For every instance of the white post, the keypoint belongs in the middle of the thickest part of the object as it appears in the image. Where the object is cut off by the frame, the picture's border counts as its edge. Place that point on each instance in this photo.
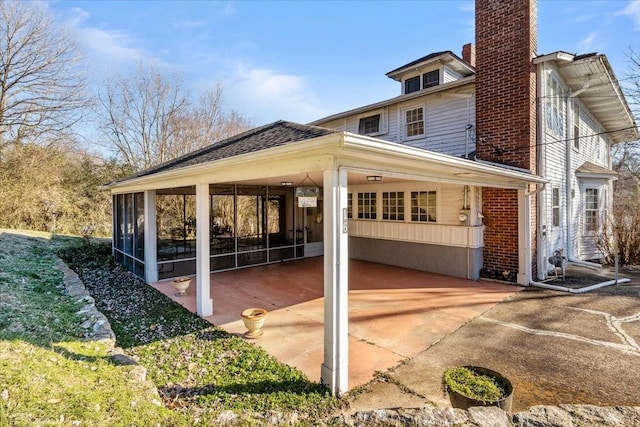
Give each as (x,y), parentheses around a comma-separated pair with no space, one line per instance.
(150,237)
(335,369)
(524,238)
(204,303)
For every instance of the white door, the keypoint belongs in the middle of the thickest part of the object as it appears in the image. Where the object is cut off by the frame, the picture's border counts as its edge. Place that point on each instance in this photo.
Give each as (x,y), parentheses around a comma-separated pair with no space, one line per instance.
(313,231)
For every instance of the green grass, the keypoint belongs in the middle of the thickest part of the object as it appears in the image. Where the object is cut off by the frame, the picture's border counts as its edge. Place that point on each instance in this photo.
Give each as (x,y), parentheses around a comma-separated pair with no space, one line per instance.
(200,370)
(48,374)
(51,376)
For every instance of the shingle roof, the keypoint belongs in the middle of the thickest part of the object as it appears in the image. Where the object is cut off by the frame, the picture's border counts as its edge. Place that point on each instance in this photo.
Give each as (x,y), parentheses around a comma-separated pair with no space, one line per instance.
(268,136)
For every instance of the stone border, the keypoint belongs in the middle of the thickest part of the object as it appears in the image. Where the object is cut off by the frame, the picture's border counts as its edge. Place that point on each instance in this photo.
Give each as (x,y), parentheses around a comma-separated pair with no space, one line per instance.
(538,416)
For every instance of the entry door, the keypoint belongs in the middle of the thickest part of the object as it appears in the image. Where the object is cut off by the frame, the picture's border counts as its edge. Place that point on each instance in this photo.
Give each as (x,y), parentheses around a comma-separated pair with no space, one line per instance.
(313,226)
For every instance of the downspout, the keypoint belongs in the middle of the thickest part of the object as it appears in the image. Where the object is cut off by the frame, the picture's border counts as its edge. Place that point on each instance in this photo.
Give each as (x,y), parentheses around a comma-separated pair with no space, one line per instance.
(540,138)
(578,290)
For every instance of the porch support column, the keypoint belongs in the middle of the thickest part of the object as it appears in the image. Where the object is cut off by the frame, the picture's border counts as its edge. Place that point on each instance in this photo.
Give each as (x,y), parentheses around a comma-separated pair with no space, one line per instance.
(204,303)
(150,237)
(335,369)
(524,237)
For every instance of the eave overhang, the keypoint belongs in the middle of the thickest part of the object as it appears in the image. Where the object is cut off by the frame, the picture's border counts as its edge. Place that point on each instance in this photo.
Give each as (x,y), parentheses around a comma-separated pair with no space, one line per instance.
(591,80)
(339,150)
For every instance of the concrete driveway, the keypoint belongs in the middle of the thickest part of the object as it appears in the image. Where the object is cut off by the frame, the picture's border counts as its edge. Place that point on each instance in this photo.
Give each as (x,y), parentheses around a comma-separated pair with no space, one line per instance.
(555,347)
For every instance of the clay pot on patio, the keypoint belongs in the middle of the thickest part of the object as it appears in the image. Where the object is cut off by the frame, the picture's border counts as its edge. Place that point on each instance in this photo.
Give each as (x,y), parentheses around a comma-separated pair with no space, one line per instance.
(181,284)
(253,319)
(470,386)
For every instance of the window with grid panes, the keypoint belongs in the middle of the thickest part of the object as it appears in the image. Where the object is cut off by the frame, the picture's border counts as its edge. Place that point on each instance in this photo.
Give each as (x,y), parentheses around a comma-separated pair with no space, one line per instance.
(349,205)
(555,206)
(366,205)
(423,206)
(591,210)
(369,125)
(432,78)
(414,122)
(393,205)
(412,84)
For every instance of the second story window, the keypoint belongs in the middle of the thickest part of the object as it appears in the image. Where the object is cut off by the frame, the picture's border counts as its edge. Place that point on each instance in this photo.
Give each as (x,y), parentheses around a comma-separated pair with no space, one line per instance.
(412,84)
(430,79)
(369,125)
(554,107)
(414,122)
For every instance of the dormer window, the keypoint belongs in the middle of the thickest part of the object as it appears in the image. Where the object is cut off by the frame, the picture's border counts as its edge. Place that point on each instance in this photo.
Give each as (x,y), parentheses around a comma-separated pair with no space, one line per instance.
(412,84)
(430,79)
(426,80)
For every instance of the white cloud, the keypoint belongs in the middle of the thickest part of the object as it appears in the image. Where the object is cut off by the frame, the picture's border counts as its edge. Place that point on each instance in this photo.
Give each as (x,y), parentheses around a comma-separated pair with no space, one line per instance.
(271,96)
(107,45)
(587,43)
(189,24)
(633,11)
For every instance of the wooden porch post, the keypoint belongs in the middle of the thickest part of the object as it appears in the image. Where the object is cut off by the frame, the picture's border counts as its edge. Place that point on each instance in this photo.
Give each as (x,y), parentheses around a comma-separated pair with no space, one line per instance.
(204,303)
(150,237)
(335,369)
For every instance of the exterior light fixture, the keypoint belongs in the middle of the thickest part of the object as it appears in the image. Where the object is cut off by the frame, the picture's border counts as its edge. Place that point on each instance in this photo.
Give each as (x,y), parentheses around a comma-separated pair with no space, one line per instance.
(374,178)
(286,183)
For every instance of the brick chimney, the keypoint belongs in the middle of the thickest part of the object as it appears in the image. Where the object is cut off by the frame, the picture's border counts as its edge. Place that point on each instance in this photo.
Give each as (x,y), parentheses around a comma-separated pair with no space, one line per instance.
(469,53)
(506,43)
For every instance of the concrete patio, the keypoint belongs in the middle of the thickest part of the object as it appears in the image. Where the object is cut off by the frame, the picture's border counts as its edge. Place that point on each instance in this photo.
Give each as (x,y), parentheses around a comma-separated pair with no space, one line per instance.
(394,313)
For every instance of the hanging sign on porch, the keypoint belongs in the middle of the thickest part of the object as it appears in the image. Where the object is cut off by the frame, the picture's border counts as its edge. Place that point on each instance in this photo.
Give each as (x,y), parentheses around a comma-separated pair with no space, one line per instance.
(307,191)
(307,202)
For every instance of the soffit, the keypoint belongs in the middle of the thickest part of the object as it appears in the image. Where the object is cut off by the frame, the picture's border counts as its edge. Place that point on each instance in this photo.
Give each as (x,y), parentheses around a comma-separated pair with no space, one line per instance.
(601,94)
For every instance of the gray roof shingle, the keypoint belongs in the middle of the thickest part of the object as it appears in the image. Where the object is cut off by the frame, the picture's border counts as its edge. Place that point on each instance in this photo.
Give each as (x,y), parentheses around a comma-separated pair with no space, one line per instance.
(261,138)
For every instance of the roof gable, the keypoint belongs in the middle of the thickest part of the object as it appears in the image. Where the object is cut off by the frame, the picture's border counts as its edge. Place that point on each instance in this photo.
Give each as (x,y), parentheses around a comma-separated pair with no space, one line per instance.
(446,57)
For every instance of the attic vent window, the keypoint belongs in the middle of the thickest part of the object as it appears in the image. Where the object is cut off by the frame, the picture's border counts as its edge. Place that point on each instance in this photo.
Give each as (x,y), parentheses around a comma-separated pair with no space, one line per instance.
(430,79)
(412,84)
(369,125)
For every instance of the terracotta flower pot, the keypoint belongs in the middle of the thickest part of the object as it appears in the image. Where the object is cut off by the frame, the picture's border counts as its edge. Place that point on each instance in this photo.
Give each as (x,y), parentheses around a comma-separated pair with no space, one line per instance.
(181,284)
(253,319)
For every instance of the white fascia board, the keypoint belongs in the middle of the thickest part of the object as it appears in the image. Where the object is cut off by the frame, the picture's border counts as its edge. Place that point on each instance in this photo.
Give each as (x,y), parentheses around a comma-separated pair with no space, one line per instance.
(387,150)
(555,56)
(430,91)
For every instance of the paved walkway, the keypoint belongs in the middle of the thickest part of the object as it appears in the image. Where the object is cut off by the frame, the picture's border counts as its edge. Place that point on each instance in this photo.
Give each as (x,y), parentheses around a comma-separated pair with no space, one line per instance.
(394,313)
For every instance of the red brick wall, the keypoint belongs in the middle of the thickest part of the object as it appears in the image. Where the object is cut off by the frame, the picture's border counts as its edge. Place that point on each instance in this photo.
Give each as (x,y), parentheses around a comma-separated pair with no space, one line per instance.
(506,42)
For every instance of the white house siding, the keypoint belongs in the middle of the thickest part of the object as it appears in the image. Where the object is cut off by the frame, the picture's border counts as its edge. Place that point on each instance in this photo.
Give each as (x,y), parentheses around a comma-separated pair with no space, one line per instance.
(576,243)
(450,75)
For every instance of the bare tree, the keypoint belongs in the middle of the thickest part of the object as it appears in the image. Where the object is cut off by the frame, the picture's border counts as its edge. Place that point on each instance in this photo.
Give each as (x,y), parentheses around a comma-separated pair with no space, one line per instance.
(42,88)
(623,235)
(149,118)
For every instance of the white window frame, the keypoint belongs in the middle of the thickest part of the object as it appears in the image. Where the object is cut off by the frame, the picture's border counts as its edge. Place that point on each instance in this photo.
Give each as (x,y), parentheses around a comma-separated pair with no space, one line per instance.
(367,205)
(554,100)
(555,207)
(430,214)
(591,214)
(393,205)
(383,123)
(406,123)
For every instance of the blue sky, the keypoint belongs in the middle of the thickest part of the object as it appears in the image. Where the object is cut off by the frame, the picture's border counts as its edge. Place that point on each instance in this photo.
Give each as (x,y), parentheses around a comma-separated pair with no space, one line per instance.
(303,60)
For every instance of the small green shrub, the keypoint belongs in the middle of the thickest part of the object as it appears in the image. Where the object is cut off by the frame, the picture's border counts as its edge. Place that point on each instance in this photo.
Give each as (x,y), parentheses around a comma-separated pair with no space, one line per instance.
(474,385)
